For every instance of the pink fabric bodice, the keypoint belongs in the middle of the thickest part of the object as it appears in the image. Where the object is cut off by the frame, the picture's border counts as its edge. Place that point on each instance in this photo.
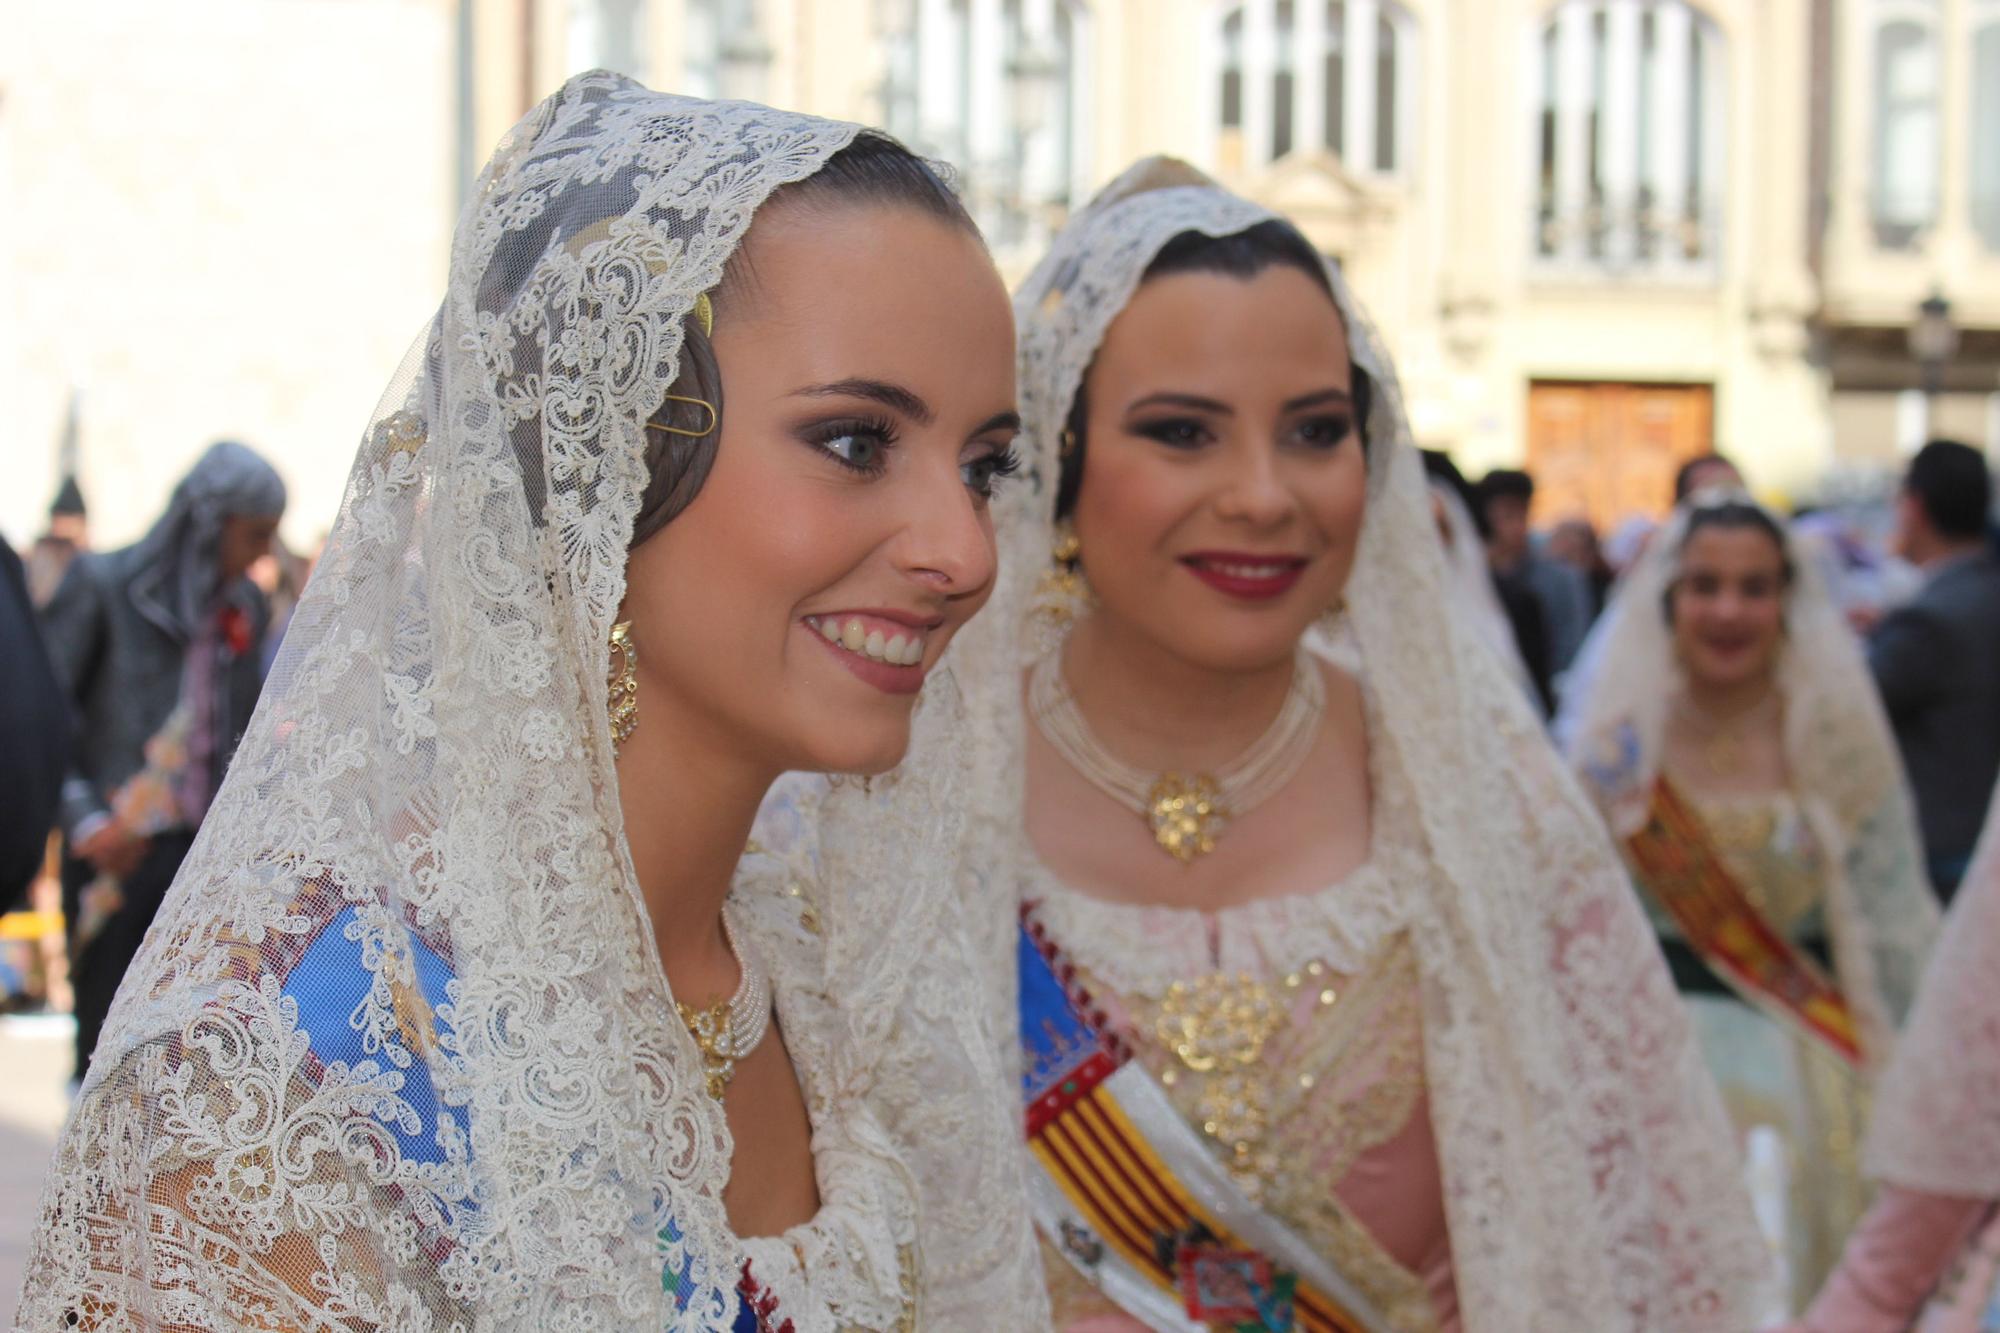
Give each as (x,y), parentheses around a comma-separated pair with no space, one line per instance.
(1320,1110)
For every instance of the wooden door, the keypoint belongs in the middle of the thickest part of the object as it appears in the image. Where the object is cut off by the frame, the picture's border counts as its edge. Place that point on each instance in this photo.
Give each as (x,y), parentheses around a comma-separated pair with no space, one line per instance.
(1611,450)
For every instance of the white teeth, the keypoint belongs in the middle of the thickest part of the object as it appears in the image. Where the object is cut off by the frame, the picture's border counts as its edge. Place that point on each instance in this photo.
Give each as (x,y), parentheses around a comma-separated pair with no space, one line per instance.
(1250,571)
(855,637)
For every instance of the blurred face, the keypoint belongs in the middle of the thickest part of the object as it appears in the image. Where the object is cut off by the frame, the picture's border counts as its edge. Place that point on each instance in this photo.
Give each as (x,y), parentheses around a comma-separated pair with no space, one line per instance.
(1222,490)
(1728,606)
(245,541)
(842,536)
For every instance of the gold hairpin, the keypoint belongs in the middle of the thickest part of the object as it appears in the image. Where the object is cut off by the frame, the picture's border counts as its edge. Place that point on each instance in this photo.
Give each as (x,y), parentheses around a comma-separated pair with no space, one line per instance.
(704,311)
(702,403)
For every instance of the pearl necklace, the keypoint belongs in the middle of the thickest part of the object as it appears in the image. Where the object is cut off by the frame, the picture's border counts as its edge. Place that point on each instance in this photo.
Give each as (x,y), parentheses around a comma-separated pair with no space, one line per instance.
(1186,813)
(730,1029)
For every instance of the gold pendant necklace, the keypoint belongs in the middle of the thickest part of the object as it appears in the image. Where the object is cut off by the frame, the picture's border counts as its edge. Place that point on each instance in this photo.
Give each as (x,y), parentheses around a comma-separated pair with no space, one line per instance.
(1187,812)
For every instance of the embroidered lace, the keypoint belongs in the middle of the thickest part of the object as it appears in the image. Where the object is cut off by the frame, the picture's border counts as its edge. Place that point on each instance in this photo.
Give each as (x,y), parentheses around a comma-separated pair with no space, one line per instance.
(399,1052)
(1590,1179)
(1937,1108)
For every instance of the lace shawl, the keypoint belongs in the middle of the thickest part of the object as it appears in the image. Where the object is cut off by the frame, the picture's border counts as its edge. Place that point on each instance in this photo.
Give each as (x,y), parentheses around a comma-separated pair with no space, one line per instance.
(1589,1171)
(1937,1106)
(1839,751)
(399,1051)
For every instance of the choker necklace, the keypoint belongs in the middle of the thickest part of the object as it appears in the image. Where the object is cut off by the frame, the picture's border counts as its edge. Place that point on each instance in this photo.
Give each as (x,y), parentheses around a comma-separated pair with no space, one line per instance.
(1186,812)
(730,1029)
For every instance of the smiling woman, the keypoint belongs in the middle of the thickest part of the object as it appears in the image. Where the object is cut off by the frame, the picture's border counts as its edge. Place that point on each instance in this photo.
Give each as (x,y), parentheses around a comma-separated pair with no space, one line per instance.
(471,1008)
(1734,740)
(1313,951)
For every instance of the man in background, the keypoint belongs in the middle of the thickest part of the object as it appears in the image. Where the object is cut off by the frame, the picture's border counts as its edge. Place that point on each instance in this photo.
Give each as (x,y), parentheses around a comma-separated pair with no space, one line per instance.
(1561,591)
(1937,657)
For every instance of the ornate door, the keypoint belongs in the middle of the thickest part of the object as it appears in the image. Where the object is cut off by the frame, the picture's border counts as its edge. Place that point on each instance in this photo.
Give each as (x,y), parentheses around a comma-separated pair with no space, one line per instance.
(1610,450)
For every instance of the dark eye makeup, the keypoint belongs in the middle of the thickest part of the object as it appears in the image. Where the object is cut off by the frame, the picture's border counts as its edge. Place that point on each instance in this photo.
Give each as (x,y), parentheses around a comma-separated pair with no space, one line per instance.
(859,444)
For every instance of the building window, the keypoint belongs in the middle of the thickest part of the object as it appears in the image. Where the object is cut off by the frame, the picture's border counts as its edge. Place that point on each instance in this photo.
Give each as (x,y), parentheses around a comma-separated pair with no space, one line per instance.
(1986,128)
(607,34)
(992,87)
(1629,136)
(1316,75)
(1904,197)
(723,50)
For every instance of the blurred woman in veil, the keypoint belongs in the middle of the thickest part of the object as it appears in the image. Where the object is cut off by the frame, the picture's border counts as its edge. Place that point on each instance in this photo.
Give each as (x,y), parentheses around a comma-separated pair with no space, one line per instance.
(1733,739)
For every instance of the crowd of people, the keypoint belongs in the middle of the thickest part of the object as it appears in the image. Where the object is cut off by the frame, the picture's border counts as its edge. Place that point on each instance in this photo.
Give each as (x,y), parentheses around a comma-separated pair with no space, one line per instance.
(1305,896)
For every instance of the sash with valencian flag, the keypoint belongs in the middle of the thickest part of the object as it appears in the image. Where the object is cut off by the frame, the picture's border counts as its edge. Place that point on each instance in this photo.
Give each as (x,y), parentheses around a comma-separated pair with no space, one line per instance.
(1672,854)
(1131,1195)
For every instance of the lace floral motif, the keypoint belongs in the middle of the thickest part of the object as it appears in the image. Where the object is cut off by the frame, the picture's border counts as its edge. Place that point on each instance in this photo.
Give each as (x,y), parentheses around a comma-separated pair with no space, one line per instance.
(398,1052)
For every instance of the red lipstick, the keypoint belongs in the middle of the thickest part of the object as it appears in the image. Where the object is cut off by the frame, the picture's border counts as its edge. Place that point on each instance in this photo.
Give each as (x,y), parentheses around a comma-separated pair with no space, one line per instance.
(1249,576)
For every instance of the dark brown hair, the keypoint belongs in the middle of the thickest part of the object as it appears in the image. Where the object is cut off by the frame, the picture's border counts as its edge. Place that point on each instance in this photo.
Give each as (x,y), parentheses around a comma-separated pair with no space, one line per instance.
(872,169)
(1273,243)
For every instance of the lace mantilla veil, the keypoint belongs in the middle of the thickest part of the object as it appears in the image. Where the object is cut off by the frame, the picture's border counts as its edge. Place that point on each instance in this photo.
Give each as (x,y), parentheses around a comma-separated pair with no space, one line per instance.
(484,1114)
(1839,750)
(1590,1176)
(1937,1106)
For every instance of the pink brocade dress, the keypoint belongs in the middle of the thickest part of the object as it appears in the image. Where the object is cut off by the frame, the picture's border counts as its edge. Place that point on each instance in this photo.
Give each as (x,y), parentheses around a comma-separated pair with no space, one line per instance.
(1290,1032)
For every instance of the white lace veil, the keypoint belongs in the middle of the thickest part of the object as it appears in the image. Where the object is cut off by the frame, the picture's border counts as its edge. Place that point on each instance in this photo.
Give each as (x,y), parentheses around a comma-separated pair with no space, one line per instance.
(1839,751)
(399,1052)
(1937,1106)
(1589,1171)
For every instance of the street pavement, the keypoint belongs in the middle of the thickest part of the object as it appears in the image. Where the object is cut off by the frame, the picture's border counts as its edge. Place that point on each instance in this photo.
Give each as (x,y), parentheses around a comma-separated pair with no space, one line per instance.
(34,1073)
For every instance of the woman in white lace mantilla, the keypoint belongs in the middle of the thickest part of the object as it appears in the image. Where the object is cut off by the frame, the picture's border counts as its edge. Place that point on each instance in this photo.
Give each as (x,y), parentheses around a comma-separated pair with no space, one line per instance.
(1732,736)
(453,1019)
(1335,1009)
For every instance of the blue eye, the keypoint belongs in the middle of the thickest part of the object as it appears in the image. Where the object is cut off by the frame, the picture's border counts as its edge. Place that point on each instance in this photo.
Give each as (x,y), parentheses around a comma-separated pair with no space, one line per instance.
(982,473)
(859,446)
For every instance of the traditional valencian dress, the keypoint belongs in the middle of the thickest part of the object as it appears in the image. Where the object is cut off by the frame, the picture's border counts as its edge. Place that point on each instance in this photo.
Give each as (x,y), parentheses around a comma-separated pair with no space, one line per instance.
(1927,1254)
(1452,1091)
(399,1052)
(1796,916)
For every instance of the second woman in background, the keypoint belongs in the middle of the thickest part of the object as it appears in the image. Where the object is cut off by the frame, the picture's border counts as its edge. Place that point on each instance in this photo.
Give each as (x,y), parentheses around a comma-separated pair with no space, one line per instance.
(1336,1010)
(1736,745)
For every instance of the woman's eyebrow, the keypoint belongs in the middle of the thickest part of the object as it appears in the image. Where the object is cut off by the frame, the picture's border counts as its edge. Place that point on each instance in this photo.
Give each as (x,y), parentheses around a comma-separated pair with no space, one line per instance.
(1007,421)
(1306,400)
(893,396)
(1195,401)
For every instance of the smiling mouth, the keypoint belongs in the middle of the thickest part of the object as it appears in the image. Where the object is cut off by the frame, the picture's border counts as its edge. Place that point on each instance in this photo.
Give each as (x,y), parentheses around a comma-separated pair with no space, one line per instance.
(1249,576)
(872,639)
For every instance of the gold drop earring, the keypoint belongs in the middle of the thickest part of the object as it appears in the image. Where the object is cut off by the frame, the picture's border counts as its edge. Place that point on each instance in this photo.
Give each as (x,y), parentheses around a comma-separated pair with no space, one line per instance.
(624,691)
(1063,591)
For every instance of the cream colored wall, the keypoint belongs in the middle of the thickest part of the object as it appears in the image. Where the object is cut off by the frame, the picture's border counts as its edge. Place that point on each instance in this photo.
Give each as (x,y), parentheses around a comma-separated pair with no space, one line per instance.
(222,218)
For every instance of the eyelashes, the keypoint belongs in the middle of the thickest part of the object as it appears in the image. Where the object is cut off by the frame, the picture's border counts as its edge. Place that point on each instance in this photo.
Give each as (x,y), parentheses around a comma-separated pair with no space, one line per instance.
(1189,433)
(859,444)
(862,445)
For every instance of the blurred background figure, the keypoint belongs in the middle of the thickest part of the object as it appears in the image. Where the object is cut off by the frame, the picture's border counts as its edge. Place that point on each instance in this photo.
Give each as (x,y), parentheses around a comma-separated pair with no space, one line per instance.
(1706,472)
(1474,591)
(34,740)
(1732,738)
(1574,542)
(156,646)
(67,534)
(1937,657)
(1561,592)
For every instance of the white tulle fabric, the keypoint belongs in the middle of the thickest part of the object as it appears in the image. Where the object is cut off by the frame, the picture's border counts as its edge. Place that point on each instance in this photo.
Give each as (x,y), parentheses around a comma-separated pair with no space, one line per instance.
(1589,1172)
(1840,753)
(1937,1106)
(428,786)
